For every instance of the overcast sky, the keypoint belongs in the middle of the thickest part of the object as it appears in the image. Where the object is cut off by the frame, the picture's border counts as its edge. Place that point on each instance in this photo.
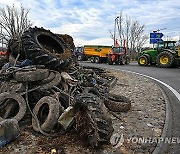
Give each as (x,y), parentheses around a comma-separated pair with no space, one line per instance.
(89,21)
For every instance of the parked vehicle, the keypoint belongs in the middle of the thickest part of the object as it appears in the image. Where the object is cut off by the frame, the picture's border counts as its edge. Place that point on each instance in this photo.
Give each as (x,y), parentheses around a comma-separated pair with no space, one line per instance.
(118,55)
(165,55)
(79,53)
(97,53)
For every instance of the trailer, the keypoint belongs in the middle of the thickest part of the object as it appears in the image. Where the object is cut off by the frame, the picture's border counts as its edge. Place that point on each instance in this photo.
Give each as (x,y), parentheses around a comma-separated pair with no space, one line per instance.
(97,53)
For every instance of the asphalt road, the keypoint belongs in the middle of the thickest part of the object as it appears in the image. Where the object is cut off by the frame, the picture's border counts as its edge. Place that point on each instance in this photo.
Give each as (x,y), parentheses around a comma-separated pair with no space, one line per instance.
(170,76)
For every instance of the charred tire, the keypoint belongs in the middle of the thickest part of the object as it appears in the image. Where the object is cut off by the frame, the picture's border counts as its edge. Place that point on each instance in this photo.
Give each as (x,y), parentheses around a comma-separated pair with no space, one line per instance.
(45,48)
(19,99)
(11,86)
(48,79)
(52,117)
(63,99)
(92,120)
(52,83)
(31,75)
(91,90)
(165,59)
(117,103)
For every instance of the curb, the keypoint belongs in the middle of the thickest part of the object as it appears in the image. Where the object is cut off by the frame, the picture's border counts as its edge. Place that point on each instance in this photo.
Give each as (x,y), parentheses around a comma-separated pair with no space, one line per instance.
(162,147)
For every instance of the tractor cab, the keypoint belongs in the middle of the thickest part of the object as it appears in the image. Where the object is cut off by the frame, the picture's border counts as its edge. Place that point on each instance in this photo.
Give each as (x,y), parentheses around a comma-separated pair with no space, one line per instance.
(166,45)
(118,50)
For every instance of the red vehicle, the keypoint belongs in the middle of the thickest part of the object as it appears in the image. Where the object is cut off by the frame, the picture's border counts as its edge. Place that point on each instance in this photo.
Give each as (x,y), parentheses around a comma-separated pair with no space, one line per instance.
(118,55)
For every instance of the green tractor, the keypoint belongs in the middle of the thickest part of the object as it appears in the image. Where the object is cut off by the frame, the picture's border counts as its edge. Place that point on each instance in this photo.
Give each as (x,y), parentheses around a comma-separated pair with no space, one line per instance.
(165,55)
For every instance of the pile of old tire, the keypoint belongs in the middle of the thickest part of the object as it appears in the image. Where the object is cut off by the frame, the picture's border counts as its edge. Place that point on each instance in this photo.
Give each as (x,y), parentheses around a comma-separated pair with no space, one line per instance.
(42,47)
(41,81)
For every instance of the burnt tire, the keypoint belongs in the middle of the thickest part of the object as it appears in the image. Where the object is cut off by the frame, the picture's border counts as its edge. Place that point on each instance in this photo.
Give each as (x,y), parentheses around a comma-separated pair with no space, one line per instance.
(19,99)
(48,119)
(92,120)
(117,103)
(31,75)
(91,90)
(45,48)
(54,82)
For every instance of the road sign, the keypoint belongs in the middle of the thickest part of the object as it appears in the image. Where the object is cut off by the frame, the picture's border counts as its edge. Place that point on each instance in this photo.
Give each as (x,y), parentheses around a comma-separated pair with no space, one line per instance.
(153,41)
(156,37)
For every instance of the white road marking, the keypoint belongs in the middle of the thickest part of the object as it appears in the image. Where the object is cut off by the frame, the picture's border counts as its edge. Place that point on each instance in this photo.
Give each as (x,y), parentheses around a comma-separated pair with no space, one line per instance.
(163,83)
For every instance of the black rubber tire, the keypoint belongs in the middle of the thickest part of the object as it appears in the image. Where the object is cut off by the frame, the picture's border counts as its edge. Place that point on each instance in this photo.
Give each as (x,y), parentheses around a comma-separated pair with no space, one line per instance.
(92,115)
(171,59)
(123,60)
(45,48)
(11,86)
(63,99)
(14,46)
(79,57)
(127,60)
(31,75)
(52,116)
(92,59)
(117,103)
(91,90)
(97,60)
(144,58)
(110,62)
(52,83)
(48,79)
(19,99)
(10,106)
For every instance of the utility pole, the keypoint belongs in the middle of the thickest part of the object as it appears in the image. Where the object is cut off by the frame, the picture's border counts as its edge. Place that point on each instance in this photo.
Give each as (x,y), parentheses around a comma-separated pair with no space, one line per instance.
(115,22)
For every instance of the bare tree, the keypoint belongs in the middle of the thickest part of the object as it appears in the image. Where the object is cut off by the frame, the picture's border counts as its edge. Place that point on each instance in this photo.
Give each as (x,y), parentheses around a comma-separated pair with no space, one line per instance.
(13,22)
(131,31)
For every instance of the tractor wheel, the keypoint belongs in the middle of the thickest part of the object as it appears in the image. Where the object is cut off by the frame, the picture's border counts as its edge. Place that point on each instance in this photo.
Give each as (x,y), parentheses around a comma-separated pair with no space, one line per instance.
(110,62)
(45,48)
(123,60)
(165,59)
(127,60)
(92,120)
(143,60)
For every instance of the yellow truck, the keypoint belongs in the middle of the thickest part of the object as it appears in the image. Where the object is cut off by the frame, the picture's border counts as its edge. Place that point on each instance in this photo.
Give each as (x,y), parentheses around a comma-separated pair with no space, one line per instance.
(97,53)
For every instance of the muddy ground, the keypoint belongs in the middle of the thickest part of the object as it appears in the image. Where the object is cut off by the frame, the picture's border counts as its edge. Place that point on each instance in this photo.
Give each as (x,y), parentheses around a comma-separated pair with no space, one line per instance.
(145,119)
